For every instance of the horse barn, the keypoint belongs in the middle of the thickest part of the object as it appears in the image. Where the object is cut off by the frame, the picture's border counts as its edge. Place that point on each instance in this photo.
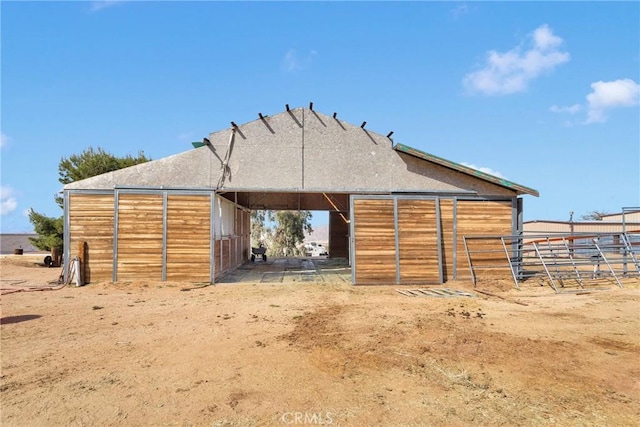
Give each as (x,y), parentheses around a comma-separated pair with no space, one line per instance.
(397,214)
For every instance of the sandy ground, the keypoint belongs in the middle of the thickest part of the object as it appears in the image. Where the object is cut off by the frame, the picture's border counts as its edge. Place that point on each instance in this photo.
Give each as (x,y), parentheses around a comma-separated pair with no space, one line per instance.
(301,353)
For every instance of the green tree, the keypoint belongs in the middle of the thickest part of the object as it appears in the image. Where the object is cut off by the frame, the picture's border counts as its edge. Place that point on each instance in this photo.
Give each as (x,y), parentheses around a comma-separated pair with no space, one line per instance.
(78,166)
(289,232)
(259,231)
(92,162)
(49,230)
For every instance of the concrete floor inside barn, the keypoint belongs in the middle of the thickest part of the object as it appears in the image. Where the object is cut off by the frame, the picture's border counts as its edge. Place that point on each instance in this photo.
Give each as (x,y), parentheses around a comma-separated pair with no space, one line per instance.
(287,270)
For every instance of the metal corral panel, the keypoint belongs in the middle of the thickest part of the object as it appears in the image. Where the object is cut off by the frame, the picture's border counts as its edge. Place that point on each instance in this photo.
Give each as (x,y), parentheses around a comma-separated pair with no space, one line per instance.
(91,219)
(483,218)
(188,237)
(140,237)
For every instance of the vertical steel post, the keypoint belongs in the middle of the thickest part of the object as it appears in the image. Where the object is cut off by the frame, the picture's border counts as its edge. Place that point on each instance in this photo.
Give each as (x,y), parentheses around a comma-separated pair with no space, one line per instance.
(212,238)
(116,203)
(397,237)
(513,273)
(466,248)
(454,238)
(573,262)
(439,240)
(66,237)
(629,250)
(613,273)
(352,239)
(165,209)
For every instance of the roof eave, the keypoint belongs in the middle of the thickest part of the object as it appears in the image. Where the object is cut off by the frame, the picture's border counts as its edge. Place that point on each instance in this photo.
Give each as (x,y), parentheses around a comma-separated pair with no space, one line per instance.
(519,189)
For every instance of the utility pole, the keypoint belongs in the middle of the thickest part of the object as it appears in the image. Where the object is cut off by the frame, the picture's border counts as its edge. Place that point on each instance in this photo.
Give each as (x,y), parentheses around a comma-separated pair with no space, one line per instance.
(571,232)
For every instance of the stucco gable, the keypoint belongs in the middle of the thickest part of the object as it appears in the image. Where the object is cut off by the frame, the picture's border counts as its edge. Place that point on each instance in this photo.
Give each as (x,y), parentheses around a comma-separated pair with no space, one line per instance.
(301,150)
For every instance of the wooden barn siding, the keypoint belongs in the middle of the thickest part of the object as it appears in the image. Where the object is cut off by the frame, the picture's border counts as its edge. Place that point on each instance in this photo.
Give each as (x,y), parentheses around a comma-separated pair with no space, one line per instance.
(223,255)
(375,248)
(244,230)
(242,244)
(91,220)
(232,250)
(188,237)
(418,241)
(187,251)
(374,238)
(482,218)
(140,236)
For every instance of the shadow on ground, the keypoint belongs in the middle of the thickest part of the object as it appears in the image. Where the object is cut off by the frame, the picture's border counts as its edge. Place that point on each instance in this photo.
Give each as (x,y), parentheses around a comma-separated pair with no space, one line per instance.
(17,319)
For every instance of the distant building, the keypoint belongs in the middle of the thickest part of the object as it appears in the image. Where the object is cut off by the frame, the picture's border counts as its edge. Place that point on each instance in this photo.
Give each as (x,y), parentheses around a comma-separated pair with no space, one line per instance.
(315,249)
(10,242)
(627,221)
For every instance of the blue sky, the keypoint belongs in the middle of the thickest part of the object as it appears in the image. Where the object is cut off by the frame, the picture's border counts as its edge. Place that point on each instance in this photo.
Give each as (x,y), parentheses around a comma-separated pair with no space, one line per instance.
(544,94)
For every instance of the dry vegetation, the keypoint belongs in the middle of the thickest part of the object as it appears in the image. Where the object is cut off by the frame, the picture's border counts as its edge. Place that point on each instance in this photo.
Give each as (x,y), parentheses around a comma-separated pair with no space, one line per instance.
(296,353)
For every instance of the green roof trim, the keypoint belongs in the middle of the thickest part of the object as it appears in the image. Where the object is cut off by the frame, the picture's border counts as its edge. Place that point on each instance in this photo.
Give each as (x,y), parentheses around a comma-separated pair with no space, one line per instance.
(520,189)
(197,144)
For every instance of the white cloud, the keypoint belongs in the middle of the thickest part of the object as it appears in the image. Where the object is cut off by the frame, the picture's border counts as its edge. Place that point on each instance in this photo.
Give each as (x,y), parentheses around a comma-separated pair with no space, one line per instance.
(544,39)
(512,71)
(459,10)
(4,140)
(292,62)
(8,202)
(604,97)
(97,6)
(608,95)
(484,169)
(573,109)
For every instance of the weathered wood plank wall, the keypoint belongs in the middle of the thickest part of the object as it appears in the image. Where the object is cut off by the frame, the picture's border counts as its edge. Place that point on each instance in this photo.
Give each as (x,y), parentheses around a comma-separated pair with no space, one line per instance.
(91,221)
(243,231)
(188,237)
(143,249)
(417,255)
(140,236)
(489,218)
(375,248)
(418,241)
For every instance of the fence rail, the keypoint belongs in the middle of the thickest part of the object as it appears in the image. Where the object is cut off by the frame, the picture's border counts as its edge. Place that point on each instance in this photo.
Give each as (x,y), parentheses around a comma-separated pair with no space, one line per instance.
(561,258)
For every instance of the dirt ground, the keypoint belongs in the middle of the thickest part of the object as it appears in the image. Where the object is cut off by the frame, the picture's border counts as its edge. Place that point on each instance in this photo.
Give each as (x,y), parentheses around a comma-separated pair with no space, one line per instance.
(300,353)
